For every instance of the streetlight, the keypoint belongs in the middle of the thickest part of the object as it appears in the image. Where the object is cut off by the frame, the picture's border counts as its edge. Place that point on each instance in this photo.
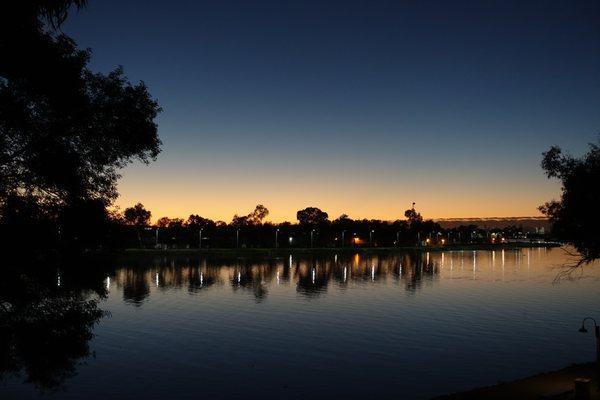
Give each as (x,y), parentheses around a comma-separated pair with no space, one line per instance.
(276,238)
(343,234)
(157,228)
(371,238)
(237,238)
(311,238)
(200,239)
(398,238)
(597,334)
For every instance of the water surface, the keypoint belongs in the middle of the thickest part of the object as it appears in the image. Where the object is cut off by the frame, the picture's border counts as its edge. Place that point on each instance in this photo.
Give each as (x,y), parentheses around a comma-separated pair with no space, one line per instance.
(355,326)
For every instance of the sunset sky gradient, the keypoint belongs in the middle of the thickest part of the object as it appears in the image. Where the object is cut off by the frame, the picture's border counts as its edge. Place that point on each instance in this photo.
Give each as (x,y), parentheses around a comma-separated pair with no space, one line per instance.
(359,107)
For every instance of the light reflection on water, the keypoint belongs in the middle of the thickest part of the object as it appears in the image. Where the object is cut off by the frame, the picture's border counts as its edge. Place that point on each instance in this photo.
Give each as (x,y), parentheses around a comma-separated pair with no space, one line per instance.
(389,326)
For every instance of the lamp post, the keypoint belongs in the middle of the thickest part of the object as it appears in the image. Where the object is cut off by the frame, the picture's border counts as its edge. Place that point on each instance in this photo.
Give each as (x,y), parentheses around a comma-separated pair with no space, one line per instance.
(343,235)
(237,238)
(200,239)
(371,238)
(596,333)
(311,238)
(157,228)
(398,238)
(276,238)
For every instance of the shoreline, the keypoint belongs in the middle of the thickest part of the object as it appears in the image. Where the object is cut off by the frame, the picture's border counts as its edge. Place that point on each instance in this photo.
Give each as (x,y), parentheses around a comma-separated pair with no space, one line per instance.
(557,384)
(334,250)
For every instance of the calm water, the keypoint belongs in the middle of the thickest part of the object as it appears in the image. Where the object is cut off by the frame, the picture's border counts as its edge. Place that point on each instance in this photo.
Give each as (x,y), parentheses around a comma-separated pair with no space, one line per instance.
(354,326)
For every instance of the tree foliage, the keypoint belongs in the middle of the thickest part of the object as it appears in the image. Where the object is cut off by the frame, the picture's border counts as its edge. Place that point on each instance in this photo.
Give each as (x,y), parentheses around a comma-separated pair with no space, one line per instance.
(256,217)
(65,131)
(137,215)
(575,216)
(312,216)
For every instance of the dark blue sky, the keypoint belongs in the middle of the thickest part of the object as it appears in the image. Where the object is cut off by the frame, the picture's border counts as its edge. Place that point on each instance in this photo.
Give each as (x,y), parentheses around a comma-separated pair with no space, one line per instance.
(356,106)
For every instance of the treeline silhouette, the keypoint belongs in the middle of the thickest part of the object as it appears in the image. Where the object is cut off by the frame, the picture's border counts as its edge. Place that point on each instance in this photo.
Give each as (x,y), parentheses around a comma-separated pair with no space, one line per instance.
(313,229)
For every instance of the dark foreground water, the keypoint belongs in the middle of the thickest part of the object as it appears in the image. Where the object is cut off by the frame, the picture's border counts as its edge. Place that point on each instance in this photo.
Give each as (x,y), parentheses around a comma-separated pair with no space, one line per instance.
(354,326)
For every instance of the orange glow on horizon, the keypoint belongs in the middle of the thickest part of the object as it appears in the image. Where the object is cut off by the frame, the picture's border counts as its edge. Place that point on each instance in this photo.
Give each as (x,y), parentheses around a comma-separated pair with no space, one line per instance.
(220,196)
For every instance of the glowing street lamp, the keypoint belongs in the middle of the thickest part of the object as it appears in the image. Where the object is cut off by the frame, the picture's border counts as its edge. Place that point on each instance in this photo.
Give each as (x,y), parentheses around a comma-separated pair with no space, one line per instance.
(343,234)
(312,232)
(200,239)
(276,238)
(371,238)
(237,238)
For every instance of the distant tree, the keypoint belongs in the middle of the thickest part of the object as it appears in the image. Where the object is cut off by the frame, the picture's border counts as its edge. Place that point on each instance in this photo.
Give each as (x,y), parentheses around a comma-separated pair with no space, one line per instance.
(163,222)
(575,217)
(312,216)
(176,223)
(196,221)
(413,216)
(254,218)
(139,217)
(239,220)
(342,219)
(258,215)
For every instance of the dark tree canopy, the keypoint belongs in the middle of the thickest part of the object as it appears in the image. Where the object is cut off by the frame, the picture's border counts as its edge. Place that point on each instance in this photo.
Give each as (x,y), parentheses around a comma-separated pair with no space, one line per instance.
(575,217)
(137,215)
(413,216)
(256,217)
(312,216)
(65,131)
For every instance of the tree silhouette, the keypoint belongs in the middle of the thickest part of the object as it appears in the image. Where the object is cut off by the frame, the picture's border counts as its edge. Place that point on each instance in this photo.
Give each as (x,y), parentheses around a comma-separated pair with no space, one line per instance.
(413,216)
(312,216)
(64,130)
(575,216)
(258,215)
(254,218)
(139,217)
